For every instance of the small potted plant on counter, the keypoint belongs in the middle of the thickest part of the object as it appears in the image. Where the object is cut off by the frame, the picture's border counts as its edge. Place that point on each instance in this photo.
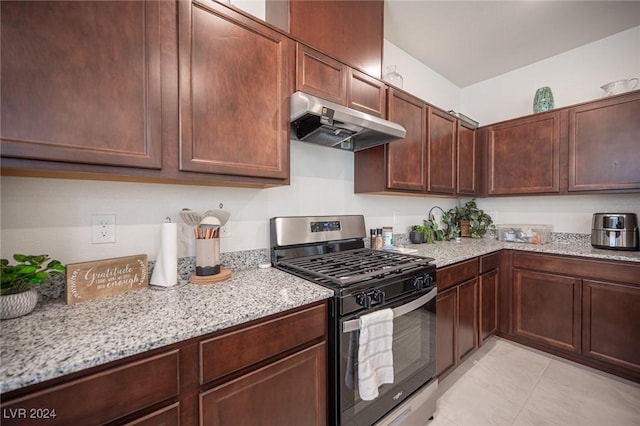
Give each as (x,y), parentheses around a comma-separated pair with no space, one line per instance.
(416,234)
(451,225)
(473,222)
(433,232)
(17,297)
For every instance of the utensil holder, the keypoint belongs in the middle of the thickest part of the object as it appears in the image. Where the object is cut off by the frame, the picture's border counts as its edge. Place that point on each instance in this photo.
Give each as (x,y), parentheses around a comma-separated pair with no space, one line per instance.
(207,256)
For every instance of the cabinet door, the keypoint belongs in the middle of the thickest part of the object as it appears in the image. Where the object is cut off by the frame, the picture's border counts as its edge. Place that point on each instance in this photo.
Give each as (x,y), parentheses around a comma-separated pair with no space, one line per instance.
(441,155)
(467,318)
(81,82)
(235,82)
(524,155)
(406,158)
(291,391)
(604,145)
(488,304)
(320,75)
(366,94)
(351,31)
(610,324)
(466,160)
(547,309)
(446,331)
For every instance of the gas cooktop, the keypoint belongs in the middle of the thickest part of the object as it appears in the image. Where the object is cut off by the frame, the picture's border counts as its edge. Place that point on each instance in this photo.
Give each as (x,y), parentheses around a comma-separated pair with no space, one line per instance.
(347,267)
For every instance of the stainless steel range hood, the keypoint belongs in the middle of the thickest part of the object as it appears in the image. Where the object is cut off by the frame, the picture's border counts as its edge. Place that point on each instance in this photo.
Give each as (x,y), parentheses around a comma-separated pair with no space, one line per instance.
(322,122)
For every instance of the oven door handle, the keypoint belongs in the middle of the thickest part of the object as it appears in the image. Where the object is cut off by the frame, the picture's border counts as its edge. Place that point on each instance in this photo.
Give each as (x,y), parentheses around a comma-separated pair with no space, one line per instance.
(353,325)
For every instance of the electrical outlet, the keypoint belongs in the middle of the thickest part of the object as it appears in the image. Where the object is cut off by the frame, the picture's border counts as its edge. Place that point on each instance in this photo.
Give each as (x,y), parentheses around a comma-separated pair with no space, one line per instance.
(225,231)
(103,228)
(396,217)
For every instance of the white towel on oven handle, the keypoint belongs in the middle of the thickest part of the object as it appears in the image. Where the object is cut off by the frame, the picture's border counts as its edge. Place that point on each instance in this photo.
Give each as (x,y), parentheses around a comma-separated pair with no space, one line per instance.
(375,352)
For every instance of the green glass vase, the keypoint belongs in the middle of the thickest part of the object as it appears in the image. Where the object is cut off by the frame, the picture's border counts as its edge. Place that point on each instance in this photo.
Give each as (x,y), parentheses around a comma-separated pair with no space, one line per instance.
(543,101)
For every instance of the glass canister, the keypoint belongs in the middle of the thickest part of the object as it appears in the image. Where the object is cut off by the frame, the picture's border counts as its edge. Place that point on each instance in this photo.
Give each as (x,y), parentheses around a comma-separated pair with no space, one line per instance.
(393,77)
(543,101)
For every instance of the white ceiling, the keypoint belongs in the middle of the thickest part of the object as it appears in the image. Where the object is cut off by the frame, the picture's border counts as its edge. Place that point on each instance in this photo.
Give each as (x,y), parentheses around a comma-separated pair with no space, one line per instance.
(471,41)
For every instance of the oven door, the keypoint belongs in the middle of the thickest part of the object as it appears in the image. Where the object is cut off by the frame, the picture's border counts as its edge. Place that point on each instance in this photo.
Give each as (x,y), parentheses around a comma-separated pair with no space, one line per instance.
(414,358)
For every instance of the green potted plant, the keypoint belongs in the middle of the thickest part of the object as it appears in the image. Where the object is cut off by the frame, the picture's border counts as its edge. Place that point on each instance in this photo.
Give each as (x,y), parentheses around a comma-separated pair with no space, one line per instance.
(416,234)
(17,297)
(473,222)
(433,232)
(451,225)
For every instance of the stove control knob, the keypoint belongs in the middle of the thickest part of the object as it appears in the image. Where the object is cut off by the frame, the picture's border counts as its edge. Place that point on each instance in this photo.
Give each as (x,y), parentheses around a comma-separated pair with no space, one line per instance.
(428,279)
(363,299)
(378,296)
(418,282)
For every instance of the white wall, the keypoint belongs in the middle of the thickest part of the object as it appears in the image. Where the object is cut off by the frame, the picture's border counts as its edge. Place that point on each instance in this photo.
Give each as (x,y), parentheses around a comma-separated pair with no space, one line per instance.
(574,76)
(567,213)
(421,80)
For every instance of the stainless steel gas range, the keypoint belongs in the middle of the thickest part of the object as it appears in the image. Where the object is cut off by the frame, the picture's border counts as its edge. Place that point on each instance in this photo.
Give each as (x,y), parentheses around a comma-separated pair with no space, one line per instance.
(330,251)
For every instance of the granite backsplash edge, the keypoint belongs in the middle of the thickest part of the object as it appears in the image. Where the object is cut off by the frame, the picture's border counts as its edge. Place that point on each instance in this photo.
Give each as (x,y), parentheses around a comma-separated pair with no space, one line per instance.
(55,287)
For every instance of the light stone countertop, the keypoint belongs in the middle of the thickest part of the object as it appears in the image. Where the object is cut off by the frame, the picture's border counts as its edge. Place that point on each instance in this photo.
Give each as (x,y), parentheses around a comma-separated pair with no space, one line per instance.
(58,339)
(449,252)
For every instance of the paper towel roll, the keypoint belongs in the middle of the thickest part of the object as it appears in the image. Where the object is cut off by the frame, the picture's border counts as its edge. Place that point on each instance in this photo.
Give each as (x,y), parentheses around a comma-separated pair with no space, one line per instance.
(165,272)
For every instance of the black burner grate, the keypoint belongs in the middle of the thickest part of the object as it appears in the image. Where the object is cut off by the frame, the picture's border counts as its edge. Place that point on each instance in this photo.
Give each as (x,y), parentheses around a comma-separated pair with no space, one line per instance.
(354,266)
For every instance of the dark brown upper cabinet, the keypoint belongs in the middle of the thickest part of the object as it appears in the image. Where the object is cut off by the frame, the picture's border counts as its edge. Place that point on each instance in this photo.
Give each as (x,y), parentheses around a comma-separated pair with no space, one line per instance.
(81,82)
(604,144)
(320,75)
(441,155)
(235,82)
(427,160)
(399,165)
(524,155)
(467,160)
(350,31)
(407,158)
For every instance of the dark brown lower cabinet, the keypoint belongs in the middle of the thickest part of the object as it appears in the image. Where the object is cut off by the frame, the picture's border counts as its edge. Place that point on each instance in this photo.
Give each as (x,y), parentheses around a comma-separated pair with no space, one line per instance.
(271,371)
(457,315)
(104,396)
(611,323)
(167,416)
(488,302)
(467,318)
(547,308)
(456,325)
(446,330)
(586,310)
(288,392)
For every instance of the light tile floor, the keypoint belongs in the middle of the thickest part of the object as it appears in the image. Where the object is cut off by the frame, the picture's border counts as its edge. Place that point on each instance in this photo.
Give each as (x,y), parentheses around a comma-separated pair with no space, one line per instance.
(504,383)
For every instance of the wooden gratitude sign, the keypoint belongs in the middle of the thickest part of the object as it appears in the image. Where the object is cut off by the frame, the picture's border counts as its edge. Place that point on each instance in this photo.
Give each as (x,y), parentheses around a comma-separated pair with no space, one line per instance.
(91,280)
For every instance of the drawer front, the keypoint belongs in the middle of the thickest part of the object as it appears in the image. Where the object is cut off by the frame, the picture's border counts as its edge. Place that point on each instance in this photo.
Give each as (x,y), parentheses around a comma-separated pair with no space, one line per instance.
(489,262)
(101,397)
(259,342)
(457,273)
(167,416)
(588,268)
